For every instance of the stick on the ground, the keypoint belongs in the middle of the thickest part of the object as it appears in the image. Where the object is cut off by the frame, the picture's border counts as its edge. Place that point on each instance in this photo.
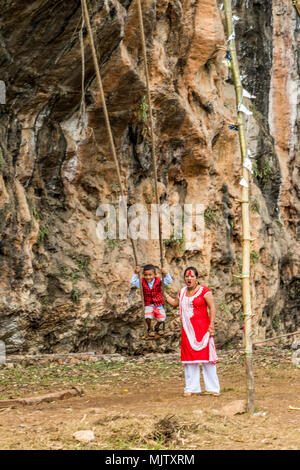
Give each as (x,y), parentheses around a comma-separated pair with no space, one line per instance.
(73,392)
(276,337)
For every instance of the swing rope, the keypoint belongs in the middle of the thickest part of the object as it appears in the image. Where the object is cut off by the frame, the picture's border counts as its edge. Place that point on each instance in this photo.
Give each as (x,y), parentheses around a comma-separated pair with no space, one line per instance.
(108,127)
(110,135)
(296,4)
(153,152)
(82,103)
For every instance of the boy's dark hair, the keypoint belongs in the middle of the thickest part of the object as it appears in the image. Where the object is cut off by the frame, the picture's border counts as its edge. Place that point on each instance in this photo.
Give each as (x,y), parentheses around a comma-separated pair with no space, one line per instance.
(149,267)
(191,268)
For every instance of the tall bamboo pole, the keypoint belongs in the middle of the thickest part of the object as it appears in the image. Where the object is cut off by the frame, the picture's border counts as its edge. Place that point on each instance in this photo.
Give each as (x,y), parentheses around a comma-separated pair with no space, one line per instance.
(246,239)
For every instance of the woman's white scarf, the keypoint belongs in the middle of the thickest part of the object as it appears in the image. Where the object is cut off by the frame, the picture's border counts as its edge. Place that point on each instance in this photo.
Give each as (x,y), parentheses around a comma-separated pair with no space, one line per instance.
(187,311)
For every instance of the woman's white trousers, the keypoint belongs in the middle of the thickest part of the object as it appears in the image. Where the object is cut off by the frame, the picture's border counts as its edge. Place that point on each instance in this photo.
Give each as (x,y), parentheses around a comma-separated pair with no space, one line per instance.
(192,377)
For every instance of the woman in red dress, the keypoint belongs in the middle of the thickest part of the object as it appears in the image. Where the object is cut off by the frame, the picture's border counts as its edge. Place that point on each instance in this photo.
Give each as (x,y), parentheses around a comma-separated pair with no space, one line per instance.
(197,344)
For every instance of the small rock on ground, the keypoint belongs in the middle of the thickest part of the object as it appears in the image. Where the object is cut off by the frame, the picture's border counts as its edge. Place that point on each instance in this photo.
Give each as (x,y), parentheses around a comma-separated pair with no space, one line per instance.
(234,408)
(84,436)
(296,358)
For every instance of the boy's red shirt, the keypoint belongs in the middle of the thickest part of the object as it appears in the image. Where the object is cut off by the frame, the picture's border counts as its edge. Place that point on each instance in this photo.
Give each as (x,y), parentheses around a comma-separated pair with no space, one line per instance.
(154,295)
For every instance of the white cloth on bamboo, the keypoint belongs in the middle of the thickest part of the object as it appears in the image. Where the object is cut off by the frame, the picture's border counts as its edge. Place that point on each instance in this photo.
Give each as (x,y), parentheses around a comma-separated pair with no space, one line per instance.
(232,36)
(192,378)
(243,182)
(242,108)
(248,164)
(227,62)
(246,94)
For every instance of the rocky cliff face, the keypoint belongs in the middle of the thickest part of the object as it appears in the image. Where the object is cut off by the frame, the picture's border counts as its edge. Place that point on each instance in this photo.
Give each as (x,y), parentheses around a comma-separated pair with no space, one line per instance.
(61,288)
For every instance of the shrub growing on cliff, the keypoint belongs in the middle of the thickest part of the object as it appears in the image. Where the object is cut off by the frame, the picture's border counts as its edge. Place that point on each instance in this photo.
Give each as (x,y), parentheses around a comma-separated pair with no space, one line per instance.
(254,256)
(35,213)
(43,233)
(112,244)
(209,64)
(264,170)
(82,262)
(254,205)
(75,294)
(174,242)
(211,216)
(275,322)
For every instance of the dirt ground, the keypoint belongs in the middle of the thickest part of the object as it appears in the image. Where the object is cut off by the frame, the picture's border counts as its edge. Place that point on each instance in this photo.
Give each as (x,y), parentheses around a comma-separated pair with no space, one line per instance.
(138,404)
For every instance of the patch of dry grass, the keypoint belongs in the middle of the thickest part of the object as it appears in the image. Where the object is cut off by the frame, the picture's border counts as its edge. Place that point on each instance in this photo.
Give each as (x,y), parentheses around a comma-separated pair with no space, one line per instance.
(133,405)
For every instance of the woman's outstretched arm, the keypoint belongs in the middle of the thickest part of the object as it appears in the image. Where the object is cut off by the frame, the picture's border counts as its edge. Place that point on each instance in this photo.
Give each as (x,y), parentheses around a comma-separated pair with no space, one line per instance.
(171,301)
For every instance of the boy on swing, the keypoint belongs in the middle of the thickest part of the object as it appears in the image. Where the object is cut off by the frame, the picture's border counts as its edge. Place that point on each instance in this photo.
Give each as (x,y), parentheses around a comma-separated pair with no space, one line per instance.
(153,296)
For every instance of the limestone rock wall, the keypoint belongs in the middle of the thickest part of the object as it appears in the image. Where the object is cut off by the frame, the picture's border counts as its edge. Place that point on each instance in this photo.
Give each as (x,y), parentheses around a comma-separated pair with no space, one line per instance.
(61,288)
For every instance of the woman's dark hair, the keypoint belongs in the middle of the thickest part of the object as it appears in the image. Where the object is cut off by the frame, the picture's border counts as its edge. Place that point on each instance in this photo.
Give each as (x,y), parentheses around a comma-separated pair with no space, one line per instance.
(149,267)
(191,268)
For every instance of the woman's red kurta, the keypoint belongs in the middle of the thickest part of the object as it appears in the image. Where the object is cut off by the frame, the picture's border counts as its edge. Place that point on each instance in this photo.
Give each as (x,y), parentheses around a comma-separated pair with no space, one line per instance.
(200,322)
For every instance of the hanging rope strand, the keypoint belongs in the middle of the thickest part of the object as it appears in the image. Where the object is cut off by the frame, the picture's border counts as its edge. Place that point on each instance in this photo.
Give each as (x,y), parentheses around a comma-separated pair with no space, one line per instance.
(82,104)
(296,3)
(108,127)
(99,81)
(153,151)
